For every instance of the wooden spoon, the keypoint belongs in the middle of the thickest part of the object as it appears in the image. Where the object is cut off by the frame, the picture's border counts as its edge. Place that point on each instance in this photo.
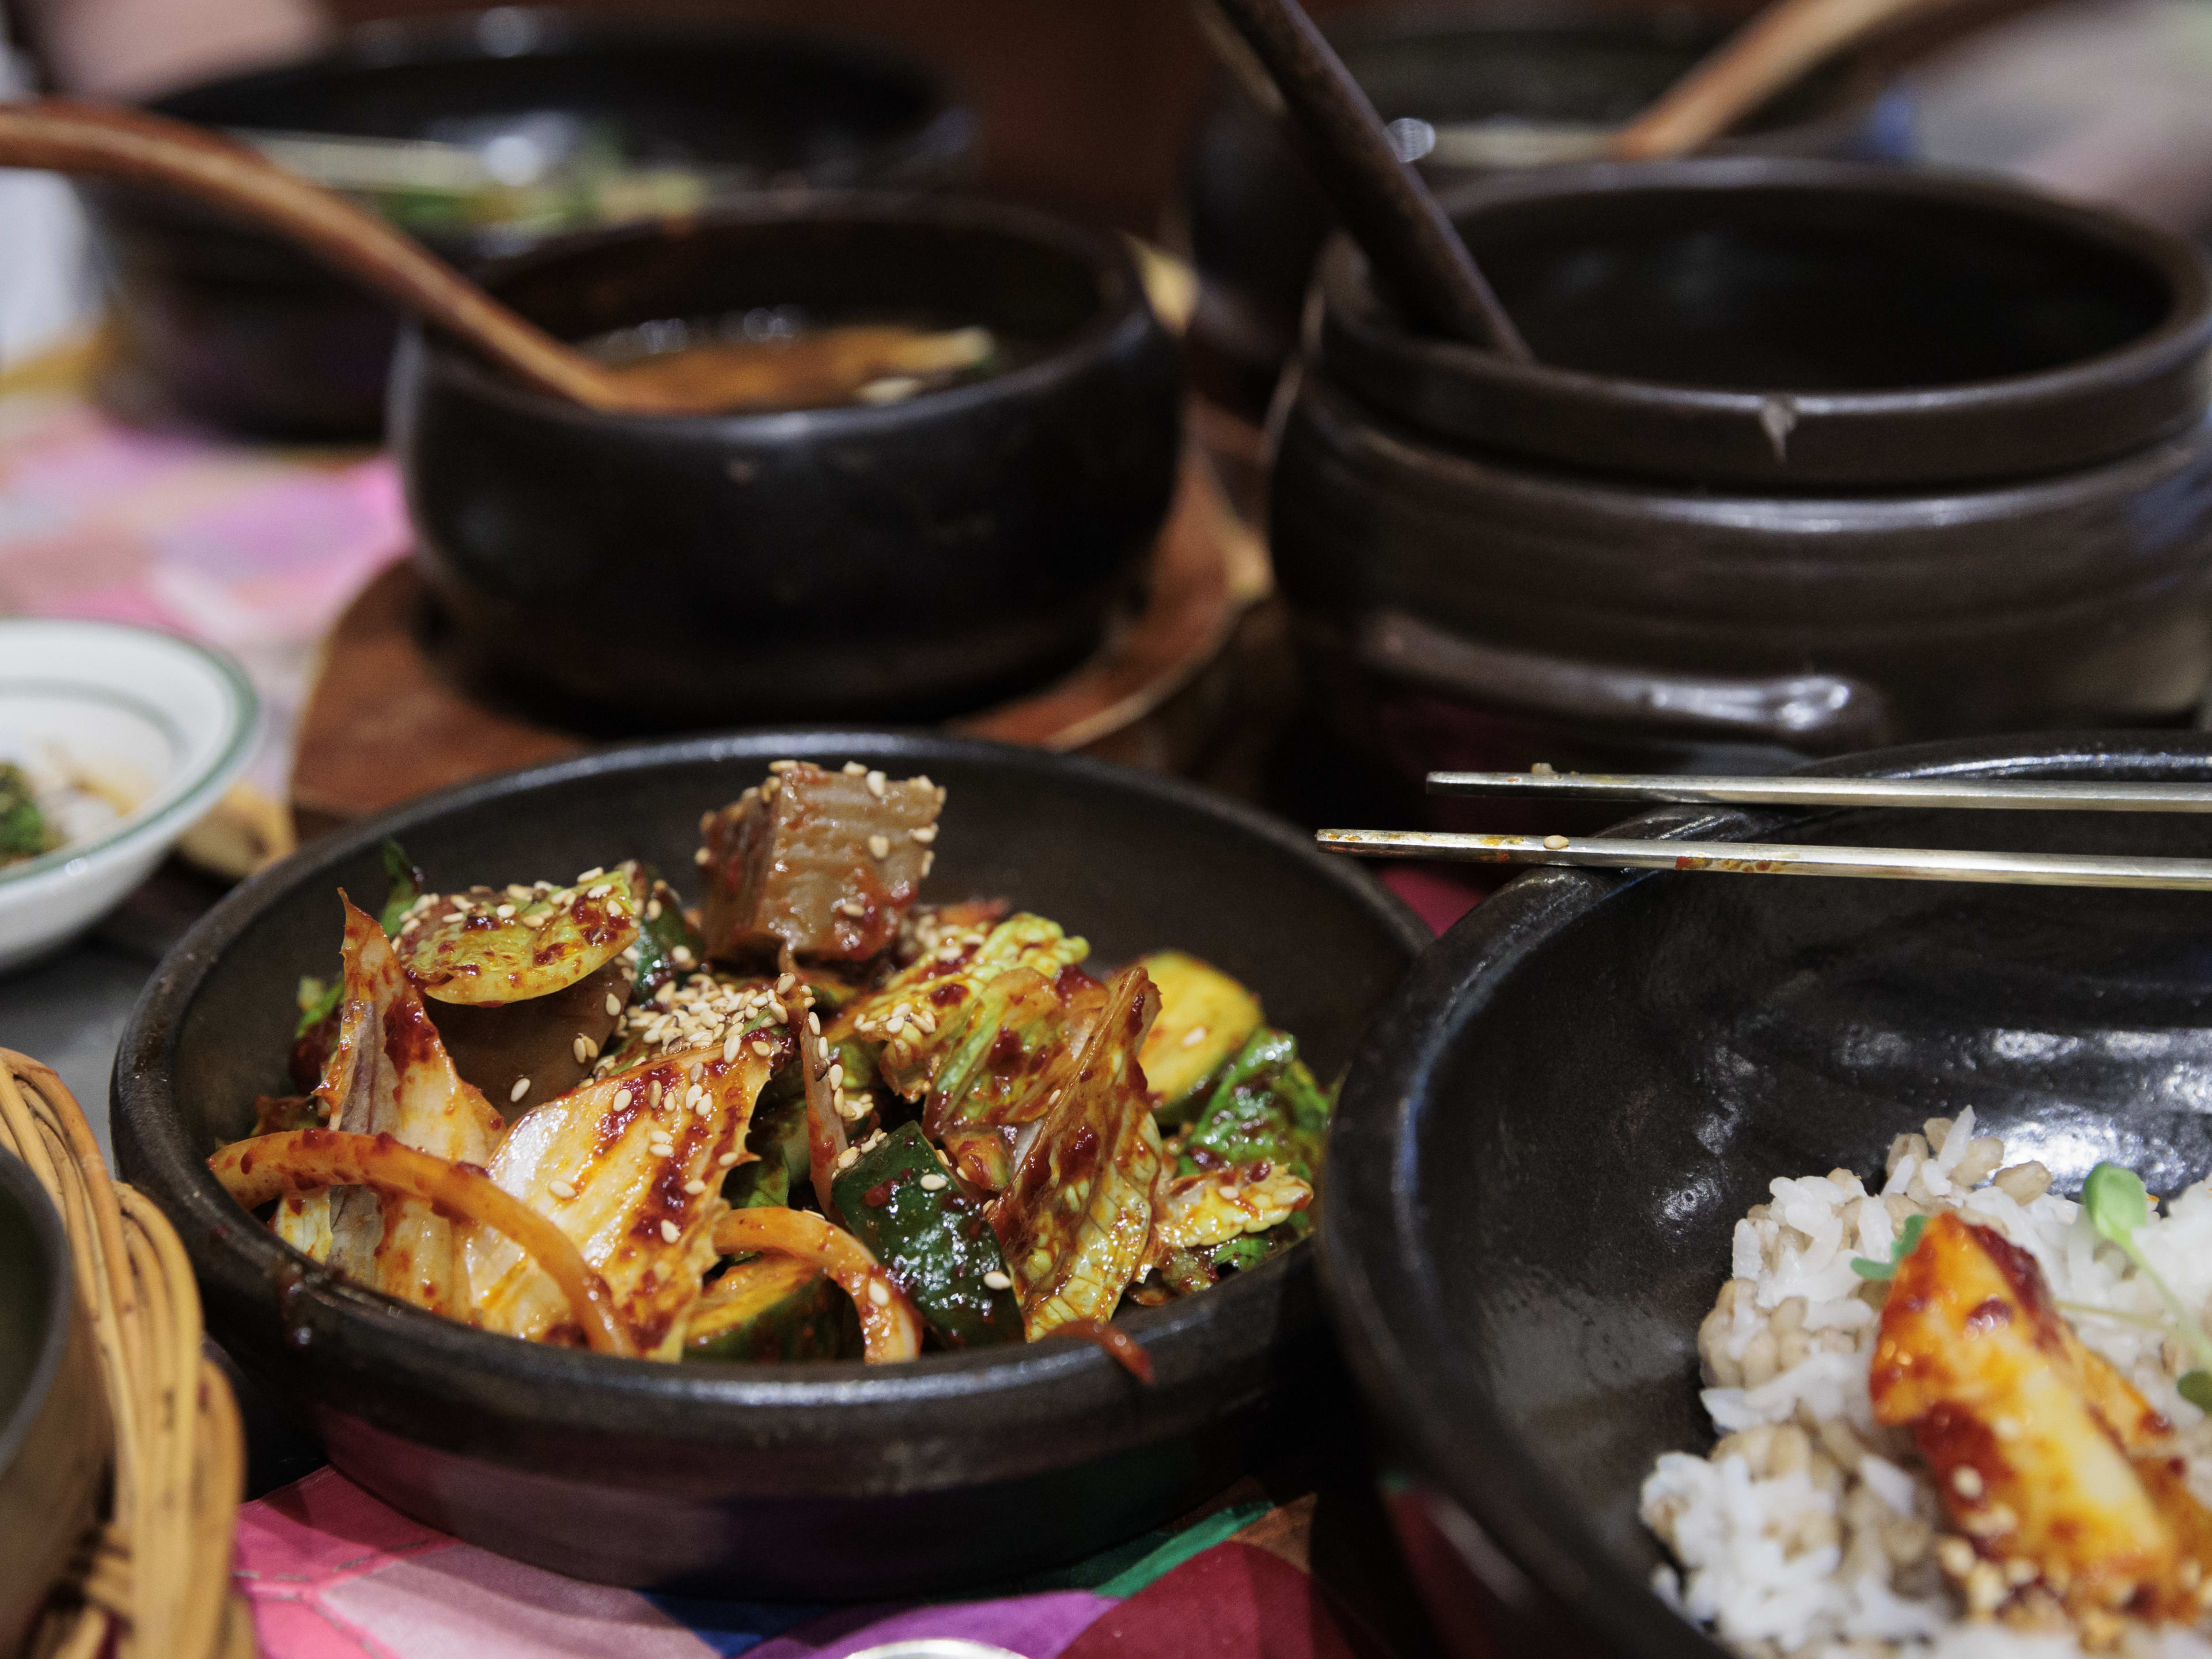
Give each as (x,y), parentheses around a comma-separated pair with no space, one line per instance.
(150,150)
(1273,47)
(1773,51)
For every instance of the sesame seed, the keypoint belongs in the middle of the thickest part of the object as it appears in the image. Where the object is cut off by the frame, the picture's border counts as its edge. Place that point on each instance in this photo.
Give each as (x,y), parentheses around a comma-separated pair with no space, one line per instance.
(998,1281)
(731,1045)
(703,857)
(879,845)
(928,860)
(592,874)
(694,1188)
(783,766)
(728,1160)
(854,769)
(521,1088)
(1555,843)
(849,1158)
(621,1100)
(670,1232)
(814,1022)
(877,1294)
(1194,1036)
(653,908)
(785,984)
(584,1049)
(778,1012)
(855,1110)
(837,1075)
(600,892)
(761,1047)
(505,913)
(614,1005)
(853,907)
(561,1188)
(932,1183)
(704,1107)
(875,780)
(925,835)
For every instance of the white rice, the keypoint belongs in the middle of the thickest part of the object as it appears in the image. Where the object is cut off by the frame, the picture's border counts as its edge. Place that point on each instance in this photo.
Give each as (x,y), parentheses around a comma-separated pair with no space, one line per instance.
(1811,1529)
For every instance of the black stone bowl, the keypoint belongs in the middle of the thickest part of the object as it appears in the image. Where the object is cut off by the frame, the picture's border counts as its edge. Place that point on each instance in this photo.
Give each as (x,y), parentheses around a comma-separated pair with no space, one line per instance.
(220,325)
(896,562)
(831,1481)
(1794,324)
(54,1432)
(1547,1142)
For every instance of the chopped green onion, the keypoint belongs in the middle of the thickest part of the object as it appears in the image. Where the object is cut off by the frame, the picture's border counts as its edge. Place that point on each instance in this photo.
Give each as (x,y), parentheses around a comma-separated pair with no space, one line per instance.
(1908,1238)
(2116,1204)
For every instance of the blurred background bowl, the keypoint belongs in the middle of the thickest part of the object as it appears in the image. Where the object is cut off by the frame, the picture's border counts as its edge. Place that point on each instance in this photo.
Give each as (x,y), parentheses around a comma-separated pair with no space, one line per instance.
(906,561)
(1545,1143)
(218,326)
(1256,222)
(54,1430)
(161,722)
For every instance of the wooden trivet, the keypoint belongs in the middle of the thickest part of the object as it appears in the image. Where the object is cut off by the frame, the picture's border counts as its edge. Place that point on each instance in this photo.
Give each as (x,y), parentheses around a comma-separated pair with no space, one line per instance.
(382,724)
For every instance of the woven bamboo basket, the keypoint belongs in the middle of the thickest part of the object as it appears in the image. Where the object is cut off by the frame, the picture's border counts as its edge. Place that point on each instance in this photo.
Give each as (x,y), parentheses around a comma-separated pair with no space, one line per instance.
(154,1581)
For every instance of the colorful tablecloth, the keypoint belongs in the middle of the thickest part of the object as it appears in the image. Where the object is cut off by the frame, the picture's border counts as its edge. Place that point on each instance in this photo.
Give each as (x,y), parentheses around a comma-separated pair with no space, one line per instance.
(254,550)
(332,1573)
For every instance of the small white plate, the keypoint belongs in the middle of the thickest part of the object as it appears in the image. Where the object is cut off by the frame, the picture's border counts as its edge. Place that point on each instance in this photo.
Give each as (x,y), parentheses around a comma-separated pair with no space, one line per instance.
(169,722)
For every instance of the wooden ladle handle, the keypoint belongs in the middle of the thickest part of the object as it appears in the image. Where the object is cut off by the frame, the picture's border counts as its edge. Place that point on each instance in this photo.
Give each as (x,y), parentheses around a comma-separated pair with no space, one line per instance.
(1410,243)
(1759,60)
(102,142)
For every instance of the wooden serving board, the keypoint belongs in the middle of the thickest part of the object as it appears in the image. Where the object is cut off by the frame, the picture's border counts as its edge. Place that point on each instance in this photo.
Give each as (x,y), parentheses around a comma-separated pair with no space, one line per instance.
(382,724)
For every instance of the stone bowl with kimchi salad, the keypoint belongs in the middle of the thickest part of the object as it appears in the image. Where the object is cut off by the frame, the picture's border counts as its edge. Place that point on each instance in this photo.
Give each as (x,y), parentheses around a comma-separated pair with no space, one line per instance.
(1790,1268)
(787,1165)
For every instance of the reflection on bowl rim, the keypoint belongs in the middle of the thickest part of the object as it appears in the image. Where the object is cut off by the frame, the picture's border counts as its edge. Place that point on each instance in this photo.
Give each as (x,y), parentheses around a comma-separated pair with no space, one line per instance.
(174,802)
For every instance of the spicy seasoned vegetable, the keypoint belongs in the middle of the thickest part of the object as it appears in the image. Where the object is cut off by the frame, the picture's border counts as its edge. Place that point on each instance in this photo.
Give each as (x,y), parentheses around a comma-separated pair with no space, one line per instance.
(816,1119)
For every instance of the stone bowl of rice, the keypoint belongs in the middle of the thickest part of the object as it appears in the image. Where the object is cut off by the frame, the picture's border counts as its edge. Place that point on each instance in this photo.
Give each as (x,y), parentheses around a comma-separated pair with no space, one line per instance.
(1615,1181)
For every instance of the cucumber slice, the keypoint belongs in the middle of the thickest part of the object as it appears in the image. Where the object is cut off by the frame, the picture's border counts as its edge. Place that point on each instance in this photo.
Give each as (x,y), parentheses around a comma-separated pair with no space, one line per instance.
(773,1307)
(936,1241)
(1206,1017)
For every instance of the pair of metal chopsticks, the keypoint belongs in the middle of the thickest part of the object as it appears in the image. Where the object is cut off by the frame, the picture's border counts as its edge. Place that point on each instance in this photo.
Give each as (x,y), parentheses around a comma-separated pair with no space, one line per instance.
(1784,858)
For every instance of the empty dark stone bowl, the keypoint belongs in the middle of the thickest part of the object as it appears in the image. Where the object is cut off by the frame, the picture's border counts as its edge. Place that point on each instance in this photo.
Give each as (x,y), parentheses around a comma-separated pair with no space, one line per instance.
(1545,1143)
(830,1481)
(54,1431)
(1813,457)
(219,326)
(903,562)
(1794,324)
(1258,221)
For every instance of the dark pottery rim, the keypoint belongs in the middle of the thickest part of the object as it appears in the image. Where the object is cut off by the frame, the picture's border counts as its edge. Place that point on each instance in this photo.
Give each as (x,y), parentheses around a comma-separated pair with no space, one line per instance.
(23,1189)
(1368,1241)
(821,1405)
(942,132)
(1122,307)
(2084,411)
(54,1437)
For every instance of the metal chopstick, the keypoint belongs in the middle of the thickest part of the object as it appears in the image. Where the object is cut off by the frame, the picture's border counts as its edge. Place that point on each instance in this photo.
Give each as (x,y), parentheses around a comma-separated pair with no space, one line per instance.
(2013,795)
(1779,858)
